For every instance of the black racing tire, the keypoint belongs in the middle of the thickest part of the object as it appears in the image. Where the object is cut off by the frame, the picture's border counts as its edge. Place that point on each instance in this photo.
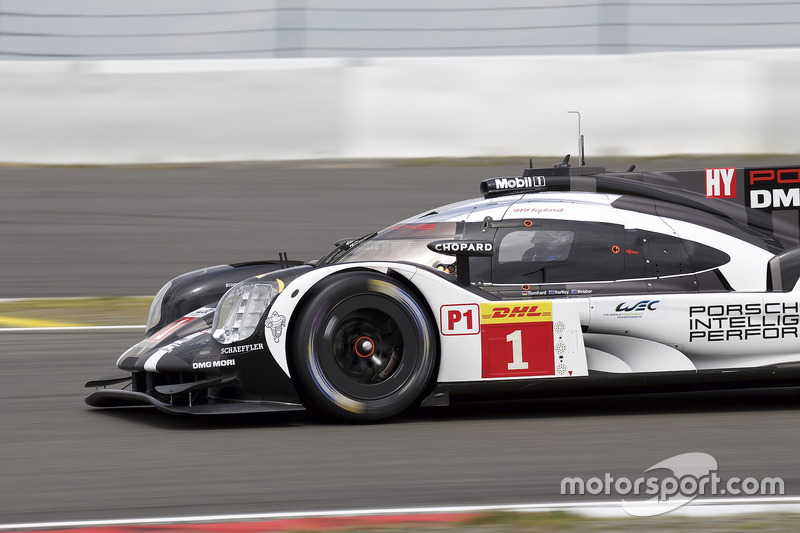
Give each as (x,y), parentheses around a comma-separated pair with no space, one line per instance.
(364,348)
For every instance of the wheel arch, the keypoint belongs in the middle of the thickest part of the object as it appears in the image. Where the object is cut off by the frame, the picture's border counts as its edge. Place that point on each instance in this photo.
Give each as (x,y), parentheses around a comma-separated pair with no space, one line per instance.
(302,307)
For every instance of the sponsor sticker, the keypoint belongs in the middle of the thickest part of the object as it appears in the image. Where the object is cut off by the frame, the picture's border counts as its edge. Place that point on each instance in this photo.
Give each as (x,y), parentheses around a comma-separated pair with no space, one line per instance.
(635,309)
(772,188)
(227,350)
(275,324)
(213,364)
(721,183)
(458,247)
(742,322)
(517,339)
(519,182)
(518,312)
(460,319)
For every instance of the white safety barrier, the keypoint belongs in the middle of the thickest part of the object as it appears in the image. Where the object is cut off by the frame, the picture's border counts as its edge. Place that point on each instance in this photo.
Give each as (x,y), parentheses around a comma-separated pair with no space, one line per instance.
(287,109)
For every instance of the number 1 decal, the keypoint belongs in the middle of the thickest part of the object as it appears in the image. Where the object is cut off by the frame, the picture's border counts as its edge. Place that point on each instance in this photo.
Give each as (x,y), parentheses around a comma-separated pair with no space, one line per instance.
(515,338)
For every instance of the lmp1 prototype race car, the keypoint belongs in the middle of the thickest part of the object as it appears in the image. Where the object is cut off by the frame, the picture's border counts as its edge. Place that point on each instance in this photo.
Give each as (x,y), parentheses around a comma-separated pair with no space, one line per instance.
(565,280)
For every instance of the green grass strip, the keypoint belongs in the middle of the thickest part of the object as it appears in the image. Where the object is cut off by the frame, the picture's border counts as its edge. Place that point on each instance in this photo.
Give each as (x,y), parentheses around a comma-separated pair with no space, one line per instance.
(72,312)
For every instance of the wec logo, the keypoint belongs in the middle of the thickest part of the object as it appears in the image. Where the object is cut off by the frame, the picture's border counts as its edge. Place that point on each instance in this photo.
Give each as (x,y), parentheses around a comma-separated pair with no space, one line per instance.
(644,305)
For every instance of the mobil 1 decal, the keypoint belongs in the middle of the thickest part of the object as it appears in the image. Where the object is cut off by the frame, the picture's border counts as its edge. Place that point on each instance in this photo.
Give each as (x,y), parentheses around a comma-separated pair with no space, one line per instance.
(772,188)
(517,339)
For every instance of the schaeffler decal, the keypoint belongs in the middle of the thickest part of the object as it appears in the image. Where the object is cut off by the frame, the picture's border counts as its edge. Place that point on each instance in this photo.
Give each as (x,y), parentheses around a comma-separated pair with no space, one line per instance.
(227,350)
(275,324)
(770,320)
(721,182)
(517,339)
(773,188)
(461,319)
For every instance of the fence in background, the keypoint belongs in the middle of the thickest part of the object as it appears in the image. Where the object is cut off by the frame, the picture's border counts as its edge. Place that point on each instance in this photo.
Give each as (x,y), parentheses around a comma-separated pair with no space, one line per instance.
(186,29)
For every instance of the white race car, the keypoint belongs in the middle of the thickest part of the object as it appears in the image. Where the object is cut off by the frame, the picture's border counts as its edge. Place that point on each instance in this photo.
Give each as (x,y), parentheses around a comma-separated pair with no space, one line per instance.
(562,280)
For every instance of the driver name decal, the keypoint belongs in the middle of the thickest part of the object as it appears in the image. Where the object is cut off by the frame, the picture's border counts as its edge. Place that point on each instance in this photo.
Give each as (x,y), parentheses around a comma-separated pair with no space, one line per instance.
(517,340)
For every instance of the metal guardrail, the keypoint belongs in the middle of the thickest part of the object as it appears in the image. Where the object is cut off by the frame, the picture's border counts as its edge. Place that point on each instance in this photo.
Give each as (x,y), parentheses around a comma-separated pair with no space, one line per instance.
(181,29)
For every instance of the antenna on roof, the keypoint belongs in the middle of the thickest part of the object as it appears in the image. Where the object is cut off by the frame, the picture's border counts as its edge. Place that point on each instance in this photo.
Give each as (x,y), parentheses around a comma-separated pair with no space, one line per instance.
(581,158)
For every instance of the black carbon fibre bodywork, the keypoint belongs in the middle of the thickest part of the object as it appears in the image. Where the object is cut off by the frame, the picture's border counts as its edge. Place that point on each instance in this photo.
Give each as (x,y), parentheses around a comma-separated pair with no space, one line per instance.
(181,368)
(204,287)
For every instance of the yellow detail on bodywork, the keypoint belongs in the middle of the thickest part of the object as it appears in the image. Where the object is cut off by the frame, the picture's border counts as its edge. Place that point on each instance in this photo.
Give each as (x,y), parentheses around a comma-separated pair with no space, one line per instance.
(514,312)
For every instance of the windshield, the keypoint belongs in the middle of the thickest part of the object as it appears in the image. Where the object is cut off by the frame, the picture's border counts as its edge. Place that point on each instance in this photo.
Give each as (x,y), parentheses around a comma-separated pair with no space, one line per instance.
(401,242)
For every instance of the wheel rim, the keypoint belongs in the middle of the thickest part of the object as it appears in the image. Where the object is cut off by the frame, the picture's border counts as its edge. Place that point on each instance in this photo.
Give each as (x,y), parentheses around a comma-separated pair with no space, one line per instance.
(367,346)
(364,350)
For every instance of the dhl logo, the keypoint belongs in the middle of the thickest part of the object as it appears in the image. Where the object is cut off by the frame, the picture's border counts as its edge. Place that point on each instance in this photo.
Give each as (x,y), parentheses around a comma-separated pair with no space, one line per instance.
(520,312)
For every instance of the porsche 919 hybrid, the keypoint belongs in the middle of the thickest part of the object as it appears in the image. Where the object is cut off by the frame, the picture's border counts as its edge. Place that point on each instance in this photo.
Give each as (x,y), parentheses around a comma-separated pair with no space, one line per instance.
(564,280)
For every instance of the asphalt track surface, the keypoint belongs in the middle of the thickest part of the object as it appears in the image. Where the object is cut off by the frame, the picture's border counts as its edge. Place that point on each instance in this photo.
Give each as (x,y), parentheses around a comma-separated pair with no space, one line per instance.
(90,231)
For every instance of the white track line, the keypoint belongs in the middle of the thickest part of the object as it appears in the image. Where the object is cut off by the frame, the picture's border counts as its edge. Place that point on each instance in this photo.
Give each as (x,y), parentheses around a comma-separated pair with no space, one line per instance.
(698,507)
(72,328)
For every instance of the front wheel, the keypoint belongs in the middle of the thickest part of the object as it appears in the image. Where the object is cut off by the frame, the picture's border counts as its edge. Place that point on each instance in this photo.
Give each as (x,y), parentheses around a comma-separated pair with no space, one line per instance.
(364,348)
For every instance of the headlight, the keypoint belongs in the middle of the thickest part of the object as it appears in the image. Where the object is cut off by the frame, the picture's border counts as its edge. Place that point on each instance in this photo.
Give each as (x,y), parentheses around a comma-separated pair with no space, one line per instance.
(241,308)
(154,316)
